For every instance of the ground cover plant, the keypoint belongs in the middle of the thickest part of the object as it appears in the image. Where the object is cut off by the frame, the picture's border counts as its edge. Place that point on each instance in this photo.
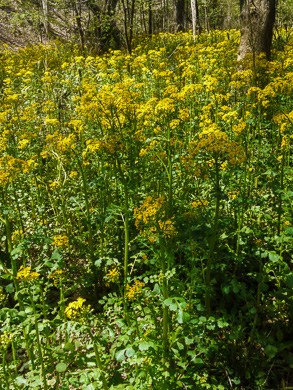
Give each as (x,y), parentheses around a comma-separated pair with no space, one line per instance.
(146,216)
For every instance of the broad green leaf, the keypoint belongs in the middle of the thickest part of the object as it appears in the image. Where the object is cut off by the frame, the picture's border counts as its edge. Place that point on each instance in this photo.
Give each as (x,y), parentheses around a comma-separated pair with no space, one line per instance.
(120,355)
(130,352)
(61,367)
(144,346)
(69,347)
(271,351)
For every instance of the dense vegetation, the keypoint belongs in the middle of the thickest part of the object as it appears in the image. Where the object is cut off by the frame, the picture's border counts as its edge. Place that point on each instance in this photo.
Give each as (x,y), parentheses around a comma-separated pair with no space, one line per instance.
(146,216)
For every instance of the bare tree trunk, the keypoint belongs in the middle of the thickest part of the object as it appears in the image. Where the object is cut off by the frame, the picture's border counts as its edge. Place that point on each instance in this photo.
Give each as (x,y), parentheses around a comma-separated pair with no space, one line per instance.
(106,31)
(77,10)
(45,17)
(128,10)
(195,18)
(179,15)
(150,17)
(257,22)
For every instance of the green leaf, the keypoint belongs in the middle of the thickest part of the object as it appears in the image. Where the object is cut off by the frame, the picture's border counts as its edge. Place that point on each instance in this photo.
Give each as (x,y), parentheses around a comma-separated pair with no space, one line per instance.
(144,346)
(173,306)
(120,355)
(168,302)
(188,341)
(289,281)
(273,256)
(130,352)
(271,351)
(69,347)
(61,367)
(179,316)
(9,288)
(56,255)
(20,380)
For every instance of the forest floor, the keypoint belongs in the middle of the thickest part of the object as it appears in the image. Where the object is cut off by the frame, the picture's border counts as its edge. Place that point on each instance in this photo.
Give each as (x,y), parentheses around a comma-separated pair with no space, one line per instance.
(20,28)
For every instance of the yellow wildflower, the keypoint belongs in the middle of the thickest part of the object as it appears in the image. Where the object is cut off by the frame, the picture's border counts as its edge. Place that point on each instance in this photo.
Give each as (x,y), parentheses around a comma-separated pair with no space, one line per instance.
(58,276)
(26,275)
(135,290)
(60,241)
(76,310)
(5,340)
(113,275)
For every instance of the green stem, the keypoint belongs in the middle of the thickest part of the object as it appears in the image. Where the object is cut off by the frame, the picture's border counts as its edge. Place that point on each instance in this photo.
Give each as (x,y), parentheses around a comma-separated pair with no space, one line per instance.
(84,184)
(4,370)
(165,296)
(98,361)
(126,234)
(212,242)
(280,198)
(43,374)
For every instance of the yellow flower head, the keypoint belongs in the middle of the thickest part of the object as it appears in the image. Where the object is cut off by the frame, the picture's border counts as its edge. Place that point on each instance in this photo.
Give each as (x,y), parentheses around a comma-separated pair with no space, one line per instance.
(60,241)
(5,340)
(134,291)
(26,275)
(2,297)
(58,276)
(113,275)
(76,310)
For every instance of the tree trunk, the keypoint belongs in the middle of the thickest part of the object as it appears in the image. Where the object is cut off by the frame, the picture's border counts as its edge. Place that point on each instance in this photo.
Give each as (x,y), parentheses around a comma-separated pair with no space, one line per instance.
(150,17)
(45,17)
(179,15)
(195,18)
(106,30)
(257,22)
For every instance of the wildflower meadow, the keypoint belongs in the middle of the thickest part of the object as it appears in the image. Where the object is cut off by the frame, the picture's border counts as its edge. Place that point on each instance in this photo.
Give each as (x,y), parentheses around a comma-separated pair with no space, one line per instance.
(146,215)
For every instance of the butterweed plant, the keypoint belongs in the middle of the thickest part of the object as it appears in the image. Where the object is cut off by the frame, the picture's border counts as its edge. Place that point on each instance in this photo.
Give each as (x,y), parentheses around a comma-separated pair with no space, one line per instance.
(146,216)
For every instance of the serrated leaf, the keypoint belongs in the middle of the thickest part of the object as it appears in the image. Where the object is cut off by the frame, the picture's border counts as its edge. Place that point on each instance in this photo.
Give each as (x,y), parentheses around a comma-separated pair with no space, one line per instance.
(144,346)
(168,302)
(56,255)
(20,380)
(188,341)
(173,306)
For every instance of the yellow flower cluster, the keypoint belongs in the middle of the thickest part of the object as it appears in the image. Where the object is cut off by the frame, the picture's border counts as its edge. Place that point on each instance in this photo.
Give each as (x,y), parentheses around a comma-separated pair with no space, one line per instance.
(59,277)
(109,145)
(76,310)
(113,275)
(5,340)
(58,144)
(2,297)
(26,275)
(134,291)
(168,228)
(10,168)
(148,212)
(199,203)
(60,241)
(233,194)
(16,236)
(213,140)
(151,214)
